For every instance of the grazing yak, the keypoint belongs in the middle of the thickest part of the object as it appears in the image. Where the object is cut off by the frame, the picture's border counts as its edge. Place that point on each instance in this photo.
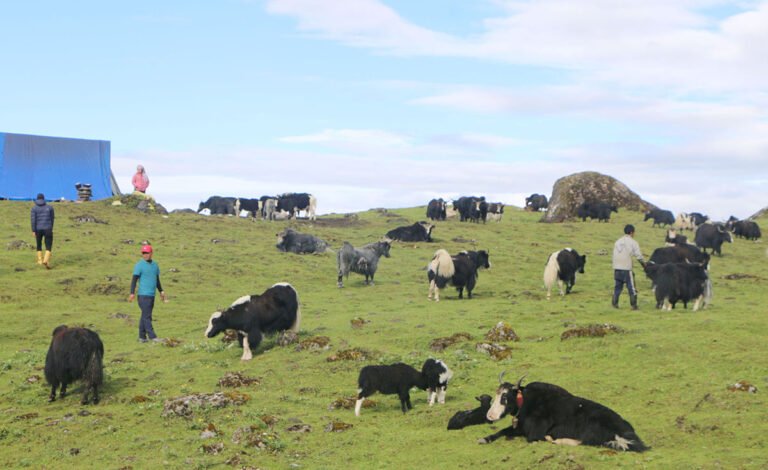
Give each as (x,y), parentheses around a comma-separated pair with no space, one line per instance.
(535,202)
(562,266)
(436,209)
(712,236)
(294,203)
(744,228)
(400,378)
(292,241)
(218,205)
(684,282)
(660,217)
(462,419)
(596,210)
(418,232)
(75,354)
(363,260)
(252,316)
(546,412)
(459,271)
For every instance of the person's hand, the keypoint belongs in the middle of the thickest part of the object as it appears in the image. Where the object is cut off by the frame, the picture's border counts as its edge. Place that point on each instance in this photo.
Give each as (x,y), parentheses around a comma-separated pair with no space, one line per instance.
(34,234)
(131,297)
(164,297)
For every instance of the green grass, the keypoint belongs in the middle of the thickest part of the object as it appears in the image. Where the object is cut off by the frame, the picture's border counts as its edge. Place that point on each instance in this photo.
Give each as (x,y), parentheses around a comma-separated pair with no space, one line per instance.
(667,374)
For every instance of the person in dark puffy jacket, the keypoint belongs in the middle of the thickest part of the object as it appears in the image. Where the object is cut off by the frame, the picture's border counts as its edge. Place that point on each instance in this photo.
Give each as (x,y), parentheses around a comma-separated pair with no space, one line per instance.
(42,228)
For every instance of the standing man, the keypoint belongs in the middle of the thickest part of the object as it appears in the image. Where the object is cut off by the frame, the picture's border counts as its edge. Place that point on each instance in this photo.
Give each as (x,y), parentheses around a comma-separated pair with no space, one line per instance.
(147,274)
(42,227)
(624,250)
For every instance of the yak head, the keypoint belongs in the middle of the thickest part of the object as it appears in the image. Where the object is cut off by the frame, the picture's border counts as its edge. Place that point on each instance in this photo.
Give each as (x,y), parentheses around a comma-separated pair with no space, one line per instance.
(508,399)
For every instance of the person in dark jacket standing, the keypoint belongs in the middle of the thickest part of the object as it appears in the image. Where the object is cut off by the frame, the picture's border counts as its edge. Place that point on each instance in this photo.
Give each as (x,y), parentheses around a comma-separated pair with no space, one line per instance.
(42,228)
(147,274)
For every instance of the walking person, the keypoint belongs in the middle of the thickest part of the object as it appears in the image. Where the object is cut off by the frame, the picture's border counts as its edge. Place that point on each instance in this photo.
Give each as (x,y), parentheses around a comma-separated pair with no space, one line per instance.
(140,180)
(624,250)
(42,228)
(147,274)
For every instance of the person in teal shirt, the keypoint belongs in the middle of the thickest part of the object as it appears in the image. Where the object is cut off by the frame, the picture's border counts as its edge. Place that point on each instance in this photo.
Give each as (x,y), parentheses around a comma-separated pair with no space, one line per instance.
(147,274)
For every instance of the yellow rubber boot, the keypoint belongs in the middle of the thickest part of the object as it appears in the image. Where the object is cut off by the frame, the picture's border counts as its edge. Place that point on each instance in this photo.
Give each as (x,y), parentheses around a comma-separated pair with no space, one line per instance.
(47,259)
(39,257)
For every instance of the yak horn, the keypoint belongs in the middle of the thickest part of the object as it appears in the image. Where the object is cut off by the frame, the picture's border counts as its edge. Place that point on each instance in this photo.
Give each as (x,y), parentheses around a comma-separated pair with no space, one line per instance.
(520,382)
(501,377)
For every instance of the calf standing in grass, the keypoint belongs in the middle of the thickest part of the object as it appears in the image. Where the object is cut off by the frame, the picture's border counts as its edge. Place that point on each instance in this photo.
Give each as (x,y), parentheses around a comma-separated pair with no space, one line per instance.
(75,354)
(399,378)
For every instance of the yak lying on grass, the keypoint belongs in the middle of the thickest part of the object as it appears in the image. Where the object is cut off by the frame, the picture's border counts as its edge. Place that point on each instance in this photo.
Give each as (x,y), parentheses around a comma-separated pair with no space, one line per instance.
(478,415)
(546,412)
(75,354)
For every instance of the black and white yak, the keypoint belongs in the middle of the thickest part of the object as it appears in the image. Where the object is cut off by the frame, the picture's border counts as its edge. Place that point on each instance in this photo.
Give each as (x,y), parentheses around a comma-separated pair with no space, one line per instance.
(562,267)
(462,419)
(252,316)
(75,354)
(535,202)
(546,412)
(436,209)
(673,238)
(400,378)
(460,271)
(363,260)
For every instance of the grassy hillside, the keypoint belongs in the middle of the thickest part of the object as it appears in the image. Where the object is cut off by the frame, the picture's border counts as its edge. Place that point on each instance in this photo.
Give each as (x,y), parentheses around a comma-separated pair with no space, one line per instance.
(667,373)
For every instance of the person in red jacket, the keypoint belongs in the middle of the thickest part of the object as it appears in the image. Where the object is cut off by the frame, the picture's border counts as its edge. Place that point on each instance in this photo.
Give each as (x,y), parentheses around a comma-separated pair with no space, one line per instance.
(140,180)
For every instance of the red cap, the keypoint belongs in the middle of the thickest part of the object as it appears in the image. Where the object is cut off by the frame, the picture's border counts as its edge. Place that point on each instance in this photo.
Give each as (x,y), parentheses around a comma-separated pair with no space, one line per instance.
(146,249)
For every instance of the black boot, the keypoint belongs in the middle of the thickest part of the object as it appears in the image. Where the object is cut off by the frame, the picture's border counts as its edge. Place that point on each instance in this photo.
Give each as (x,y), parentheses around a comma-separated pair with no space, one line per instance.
(615,299)
(633,301)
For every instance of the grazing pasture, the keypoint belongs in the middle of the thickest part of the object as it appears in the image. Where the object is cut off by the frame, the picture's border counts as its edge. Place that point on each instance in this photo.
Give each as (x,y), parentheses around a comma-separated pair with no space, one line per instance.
(176,405)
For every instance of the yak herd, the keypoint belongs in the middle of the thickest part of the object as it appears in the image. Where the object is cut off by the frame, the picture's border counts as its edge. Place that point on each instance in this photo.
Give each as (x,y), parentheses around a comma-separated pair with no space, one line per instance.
(540,411)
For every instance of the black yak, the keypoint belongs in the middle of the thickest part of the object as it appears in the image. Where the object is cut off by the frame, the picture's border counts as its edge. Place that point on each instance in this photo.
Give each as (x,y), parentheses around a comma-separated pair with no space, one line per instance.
(75,354)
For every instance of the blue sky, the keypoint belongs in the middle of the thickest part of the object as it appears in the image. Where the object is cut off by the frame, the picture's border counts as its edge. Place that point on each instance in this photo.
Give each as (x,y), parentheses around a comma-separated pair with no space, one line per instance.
(369,103)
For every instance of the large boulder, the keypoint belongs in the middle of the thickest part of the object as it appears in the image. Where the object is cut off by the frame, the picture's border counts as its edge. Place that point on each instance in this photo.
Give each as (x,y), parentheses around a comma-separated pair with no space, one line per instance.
(569,192)
(759,214)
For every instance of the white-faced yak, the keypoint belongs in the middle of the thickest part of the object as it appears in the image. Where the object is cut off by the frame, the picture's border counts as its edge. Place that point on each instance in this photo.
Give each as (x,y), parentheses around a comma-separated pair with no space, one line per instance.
(75,354)
(252,316)
(546,412)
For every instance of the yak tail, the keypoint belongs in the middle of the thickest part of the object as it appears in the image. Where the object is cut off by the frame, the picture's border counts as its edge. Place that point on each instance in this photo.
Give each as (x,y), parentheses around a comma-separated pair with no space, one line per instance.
(629,442)
(551,270)
(442,265)
(94,374)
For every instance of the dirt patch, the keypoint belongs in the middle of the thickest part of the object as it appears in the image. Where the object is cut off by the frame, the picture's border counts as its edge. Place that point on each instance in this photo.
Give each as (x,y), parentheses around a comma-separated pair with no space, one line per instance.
(315,343)
(358,322)
(221,240)
(497,352)
(303,428)
(739,276)
(121,316)
(138,399)
(440,344)
(348,403)
(354,354)
(254,436)
(742,386)
(502,332)
(87,219)
(286,338)
(209,431)
(172,342)
(184,406)
(33,379)
(106,288)
(464,240)
(237,379)
(18,245)
(337,426)
(593,330)
(212,449)
(230,336)
(349,220)
(26,417)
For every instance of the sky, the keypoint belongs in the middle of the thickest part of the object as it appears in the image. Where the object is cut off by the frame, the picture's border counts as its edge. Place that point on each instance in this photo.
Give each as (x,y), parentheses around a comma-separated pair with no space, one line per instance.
(390,103)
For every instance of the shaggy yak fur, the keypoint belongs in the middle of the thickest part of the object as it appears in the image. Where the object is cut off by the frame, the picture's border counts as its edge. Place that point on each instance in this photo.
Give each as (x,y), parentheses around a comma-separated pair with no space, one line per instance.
(75,354)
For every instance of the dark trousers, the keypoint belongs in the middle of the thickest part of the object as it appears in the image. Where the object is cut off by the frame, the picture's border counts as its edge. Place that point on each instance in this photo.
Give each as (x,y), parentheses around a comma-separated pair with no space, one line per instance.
(48,235)
(146,304)
(622,277)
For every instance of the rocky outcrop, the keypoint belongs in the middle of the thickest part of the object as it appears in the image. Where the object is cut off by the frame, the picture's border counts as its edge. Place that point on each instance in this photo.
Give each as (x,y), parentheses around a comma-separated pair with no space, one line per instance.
(761,213)
(569,192)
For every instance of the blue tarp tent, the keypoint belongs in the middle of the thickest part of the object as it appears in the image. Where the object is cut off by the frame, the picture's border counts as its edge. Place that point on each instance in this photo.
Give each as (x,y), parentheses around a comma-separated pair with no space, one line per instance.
(31,164)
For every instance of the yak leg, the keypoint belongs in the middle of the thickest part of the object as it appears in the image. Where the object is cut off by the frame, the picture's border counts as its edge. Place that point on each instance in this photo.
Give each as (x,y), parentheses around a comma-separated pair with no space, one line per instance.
(563,441)
(509,433)
(405,400)
(63,391)
(340,282)
(52,397)
(560,286)
(250,340)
